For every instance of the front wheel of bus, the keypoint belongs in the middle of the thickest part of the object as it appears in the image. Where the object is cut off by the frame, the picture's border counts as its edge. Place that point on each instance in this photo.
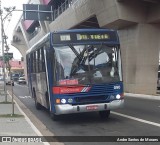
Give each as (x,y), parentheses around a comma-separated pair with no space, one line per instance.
(54,117)
(37,105)
(104,114)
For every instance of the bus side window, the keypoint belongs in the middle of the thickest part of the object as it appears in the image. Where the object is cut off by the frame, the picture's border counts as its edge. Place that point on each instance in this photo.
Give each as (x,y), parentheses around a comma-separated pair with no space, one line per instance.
(31,62)
(36,67)
(38,61)
(34,62)
(43,60)
(28,62)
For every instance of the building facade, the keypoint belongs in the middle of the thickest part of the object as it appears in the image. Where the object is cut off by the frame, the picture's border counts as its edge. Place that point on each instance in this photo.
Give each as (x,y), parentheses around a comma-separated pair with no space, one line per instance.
(137,23)
(16,66)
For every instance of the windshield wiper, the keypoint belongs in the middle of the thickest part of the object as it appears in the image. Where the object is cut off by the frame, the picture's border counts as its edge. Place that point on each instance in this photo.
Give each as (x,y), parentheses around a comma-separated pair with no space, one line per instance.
(95,53)
(75,52)
(77,63)
(80,60)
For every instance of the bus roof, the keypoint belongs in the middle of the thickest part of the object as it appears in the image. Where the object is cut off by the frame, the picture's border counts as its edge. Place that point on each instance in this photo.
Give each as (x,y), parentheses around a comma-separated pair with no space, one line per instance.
(39,43)
(83,30)
(77,36)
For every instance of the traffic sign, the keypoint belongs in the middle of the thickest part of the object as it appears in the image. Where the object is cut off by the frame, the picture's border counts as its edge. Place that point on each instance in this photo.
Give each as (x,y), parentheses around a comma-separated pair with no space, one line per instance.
(8,55)
(37,12)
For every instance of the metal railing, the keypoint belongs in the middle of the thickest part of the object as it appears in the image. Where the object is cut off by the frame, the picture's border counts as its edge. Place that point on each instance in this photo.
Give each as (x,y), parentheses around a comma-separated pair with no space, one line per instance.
(64,6)
(35,32)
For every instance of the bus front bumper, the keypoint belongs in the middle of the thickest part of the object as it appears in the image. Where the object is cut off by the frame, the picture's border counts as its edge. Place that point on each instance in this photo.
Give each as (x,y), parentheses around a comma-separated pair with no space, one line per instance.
(67,108)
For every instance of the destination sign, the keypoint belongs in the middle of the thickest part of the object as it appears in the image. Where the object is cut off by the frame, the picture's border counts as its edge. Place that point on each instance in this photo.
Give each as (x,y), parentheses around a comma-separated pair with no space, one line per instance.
(65,37)
(92,36)
(80,37)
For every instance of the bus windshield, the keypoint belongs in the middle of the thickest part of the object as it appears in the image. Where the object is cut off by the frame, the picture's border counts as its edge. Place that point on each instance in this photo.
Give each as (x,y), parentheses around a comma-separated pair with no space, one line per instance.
(87,64)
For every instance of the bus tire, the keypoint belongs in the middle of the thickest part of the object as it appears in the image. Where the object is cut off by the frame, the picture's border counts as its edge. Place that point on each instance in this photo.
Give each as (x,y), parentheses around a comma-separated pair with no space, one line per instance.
(54,117)
(104,114)
(37,105)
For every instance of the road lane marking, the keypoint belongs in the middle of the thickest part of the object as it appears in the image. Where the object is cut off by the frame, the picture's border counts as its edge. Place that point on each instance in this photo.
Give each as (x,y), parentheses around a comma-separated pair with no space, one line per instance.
(24,97)
(136,119)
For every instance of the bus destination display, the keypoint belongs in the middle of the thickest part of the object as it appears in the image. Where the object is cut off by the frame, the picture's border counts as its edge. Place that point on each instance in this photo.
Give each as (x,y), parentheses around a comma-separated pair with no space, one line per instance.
(92,36)
(79,37)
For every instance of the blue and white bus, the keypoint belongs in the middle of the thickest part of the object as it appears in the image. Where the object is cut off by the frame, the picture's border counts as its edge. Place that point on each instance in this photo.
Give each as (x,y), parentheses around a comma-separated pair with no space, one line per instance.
(75,71)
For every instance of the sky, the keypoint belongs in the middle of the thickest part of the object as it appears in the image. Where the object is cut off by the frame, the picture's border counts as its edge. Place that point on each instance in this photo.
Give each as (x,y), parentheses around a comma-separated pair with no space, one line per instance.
(9,26)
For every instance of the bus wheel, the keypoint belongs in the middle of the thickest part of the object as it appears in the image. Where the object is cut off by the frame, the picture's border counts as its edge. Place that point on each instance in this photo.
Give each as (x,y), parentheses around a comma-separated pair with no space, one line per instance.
(37,105)
(54,117)
(104,114)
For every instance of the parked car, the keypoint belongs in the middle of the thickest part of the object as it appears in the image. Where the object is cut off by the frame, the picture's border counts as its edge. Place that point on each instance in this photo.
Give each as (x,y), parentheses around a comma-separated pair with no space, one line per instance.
(21,80)
(9,81)
(1,78)
(15,77)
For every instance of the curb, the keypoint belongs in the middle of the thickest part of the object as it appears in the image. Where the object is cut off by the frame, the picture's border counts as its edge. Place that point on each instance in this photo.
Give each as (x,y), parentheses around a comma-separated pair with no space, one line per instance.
(27,119)
(35,121)
(142,96)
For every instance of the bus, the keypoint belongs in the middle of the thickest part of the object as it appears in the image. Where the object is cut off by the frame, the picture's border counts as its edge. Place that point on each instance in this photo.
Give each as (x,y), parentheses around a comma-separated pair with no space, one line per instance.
(77,70)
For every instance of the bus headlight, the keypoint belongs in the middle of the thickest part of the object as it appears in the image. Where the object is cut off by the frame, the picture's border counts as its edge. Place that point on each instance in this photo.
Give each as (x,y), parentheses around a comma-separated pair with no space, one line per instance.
(70,100)
(63,101)
(118,96)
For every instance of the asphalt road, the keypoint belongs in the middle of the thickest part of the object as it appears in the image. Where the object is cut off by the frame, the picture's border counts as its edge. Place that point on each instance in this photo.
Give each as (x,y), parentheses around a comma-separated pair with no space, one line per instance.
(139,117)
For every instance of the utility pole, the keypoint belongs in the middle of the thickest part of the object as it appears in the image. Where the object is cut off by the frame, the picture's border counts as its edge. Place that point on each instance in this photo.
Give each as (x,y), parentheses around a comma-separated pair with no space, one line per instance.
(3,36)
(2,47)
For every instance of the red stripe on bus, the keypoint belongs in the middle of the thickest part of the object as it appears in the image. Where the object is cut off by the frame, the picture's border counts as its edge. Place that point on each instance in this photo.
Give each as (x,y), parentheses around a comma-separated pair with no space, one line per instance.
(68,90)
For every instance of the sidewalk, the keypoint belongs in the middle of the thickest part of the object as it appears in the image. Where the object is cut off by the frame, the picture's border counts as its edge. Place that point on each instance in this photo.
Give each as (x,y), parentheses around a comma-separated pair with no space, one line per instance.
(18,126)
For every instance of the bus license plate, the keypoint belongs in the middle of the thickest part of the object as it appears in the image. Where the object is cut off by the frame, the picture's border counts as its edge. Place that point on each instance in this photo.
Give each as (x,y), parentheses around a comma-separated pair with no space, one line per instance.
(93,107)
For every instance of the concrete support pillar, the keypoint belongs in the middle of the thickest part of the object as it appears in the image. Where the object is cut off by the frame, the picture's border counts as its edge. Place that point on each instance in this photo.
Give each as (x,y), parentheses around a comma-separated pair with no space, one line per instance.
(140,54)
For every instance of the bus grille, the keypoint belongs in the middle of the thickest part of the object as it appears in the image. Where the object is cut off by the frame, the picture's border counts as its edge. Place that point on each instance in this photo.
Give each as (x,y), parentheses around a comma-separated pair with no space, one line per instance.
(90,99)
(98,90)
(97,94)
